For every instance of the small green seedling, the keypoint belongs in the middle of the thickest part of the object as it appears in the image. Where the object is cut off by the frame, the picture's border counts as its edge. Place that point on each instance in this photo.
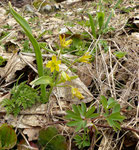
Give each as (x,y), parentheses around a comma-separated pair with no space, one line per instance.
(100,24)
(22,97)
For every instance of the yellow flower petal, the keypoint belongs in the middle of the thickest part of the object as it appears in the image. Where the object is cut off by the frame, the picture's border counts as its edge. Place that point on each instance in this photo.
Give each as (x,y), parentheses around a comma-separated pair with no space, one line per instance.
(85,58)
(63,41)
(76,92)
(53,64)
(54,59)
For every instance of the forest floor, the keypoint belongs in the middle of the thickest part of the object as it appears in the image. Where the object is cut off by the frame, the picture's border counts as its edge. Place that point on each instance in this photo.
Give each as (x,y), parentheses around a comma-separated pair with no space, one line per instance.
(112,72)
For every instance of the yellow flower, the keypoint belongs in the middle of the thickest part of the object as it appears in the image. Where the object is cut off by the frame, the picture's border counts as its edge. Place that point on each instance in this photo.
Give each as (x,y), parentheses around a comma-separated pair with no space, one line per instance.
(65,76)
(63,41)
(76,92)
(54,64)
(85,58)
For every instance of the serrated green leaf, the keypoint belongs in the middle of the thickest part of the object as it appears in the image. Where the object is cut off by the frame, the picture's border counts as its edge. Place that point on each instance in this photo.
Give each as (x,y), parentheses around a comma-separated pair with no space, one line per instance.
(46,80)
(8,137)
(116,116)
(116,108)
(90,112)
(86,143)
(72,115)
(75,109)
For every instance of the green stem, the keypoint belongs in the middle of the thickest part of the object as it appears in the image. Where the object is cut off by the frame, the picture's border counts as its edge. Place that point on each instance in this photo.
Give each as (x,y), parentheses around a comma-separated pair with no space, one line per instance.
(50,51)
(52,86)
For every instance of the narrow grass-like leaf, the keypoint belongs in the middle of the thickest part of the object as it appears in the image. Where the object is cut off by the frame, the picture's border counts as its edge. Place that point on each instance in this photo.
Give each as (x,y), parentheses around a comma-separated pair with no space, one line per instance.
(93,28)
(23,23)
(100,17)
(109,17)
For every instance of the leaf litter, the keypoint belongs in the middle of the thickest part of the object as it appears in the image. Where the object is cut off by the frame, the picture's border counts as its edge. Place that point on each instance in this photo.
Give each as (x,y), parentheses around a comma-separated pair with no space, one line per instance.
(107,75)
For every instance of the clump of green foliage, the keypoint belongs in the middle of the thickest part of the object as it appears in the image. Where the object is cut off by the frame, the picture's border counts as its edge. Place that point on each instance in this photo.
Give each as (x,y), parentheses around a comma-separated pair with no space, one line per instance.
(22,97)
(2,61)
(82,118)
(99,25)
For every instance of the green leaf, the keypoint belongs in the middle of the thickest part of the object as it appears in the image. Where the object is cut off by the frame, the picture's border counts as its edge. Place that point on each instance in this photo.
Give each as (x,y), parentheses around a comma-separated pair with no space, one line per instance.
(79,108)
(8,137)
(23,23)
(116,108)
(83,108)
(116,116)
(72,115)
(74,123)
(113,124)
(111,100)
(103,101)
(78,138)
(81,124)
(100,17)
(109,17)
(90,112)
(111,103)
(49,139)
(117,125)
(2,60)
(94,115)
(76,110)
(92,26)
(46,80)
(120,54)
